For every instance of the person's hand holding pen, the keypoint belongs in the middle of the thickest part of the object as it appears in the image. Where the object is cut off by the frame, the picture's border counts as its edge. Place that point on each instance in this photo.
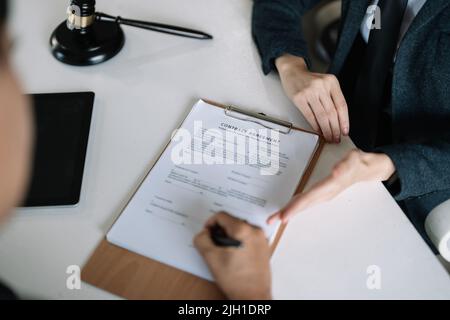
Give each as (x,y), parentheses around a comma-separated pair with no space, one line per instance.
(318,97)
(241,270)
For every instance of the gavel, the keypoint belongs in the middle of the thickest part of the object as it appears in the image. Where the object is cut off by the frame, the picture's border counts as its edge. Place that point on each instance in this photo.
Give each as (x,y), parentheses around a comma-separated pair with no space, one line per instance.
(88,37)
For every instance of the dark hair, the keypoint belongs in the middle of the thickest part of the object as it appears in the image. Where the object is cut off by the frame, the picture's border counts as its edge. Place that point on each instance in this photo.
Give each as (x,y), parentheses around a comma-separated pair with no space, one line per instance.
(3,11)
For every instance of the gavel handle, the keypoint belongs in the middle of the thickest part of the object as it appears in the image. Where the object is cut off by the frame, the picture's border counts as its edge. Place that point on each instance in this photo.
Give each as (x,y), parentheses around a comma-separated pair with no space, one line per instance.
(154,26)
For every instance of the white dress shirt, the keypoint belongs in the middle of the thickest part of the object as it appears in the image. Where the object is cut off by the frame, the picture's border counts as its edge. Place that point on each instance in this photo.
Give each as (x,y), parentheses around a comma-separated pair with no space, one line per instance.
(412,10)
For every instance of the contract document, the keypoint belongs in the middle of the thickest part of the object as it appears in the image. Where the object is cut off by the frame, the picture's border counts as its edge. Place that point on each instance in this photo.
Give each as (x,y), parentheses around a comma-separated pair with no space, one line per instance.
(218,160)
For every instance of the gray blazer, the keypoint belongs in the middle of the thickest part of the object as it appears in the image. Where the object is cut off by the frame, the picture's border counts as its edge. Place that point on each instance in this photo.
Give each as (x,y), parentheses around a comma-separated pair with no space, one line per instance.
(420,91)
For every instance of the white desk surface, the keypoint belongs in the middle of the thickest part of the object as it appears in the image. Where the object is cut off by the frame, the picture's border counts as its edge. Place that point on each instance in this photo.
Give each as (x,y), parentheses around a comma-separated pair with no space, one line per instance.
(141,95)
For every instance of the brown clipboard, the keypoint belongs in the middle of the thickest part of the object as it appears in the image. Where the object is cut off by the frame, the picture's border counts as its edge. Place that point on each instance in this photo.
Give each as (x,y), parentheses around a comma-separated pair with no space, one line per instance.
(132,276)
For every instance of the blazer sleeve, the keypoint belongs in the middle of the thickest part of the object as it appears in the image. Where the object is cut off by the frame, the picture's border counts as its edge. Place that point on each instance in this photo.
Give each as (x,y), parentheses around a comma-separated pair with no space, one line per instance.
(277,29)
(422,168)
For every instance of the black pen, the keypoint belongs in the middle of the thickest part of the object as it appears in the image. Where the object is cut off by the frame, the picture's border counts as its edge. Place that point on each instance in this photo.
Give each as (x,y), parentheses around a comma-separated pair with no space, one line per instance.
(221,239)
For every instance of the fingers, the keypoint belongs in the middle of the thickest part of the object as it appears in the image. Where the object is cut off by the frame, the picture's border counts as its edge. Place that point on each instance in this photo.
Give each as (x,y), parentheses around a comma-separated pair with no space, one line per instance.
(203,241)
(321,117)
(321,192)
(344,174)
(341,107)
(273,218)
(332,115)
(234,227)
(323,105)
(300,203)
(307,112)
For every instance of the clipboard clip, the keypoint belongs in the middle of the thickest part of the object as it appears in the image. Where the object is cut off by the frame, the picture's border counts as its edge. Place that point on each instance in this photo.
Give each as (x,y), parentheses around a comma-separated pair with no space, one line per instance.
(244,115)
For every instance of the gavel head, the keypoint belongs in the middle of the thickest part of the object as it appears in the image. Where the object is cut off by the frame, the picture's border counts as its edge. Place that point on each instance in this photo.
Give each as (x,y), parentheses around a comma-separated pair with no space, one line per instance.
(81,14)
(82,39)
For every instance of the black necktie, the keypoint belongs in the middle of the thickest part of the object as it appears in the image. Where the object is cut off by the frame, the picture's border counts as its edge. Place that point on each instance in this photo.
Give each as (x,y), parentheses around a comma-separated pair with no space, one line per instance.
(372,87)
